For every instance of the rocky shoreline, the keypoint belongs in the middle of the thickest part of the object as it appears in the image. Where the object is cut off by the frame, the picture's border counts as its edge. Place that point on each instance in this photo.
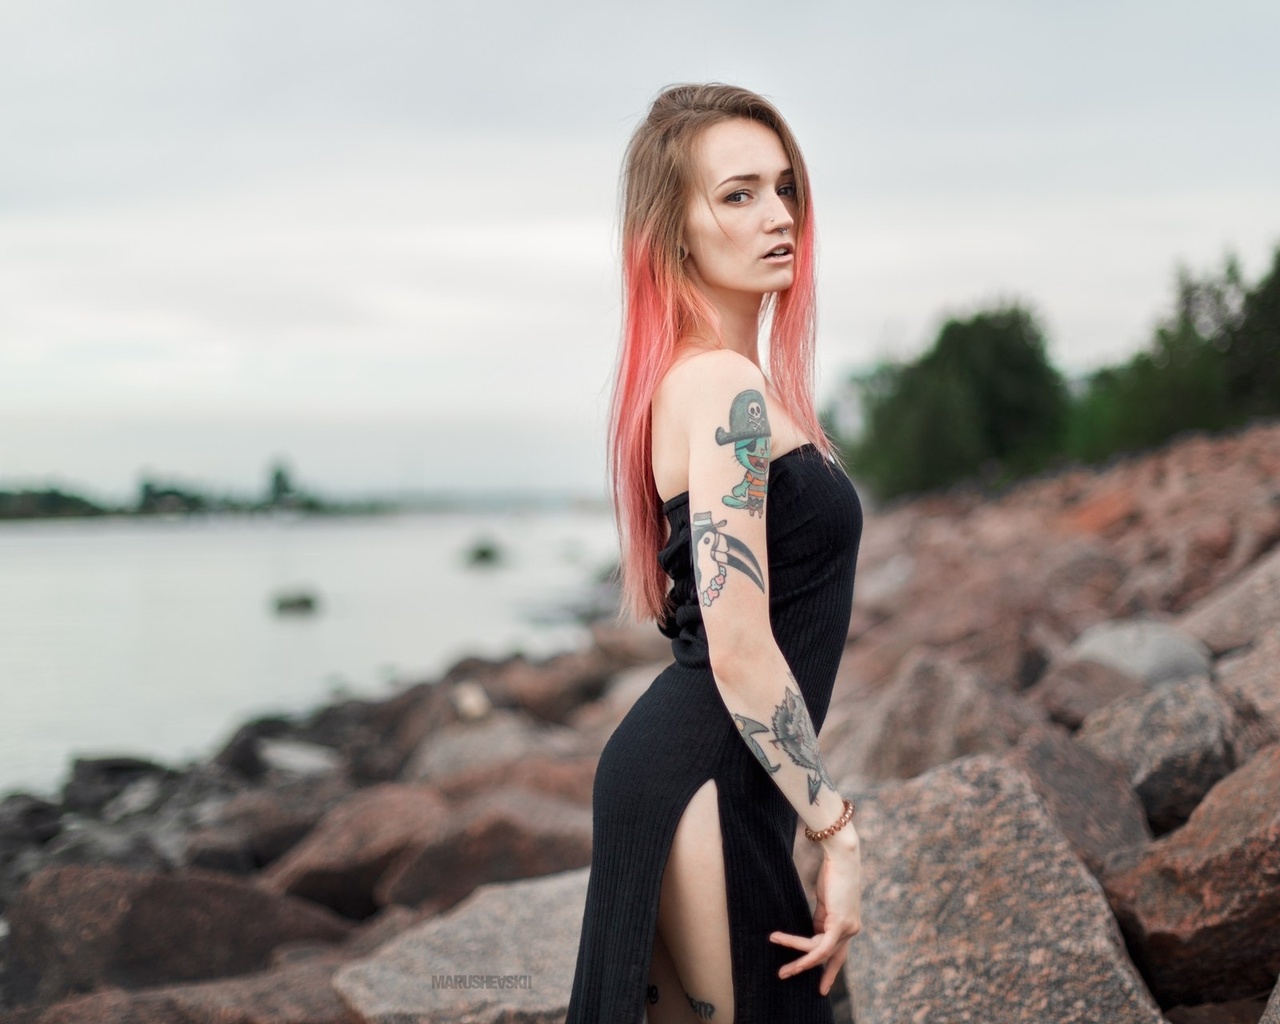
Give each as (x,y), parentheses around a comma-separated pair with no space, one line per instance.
(1059,712)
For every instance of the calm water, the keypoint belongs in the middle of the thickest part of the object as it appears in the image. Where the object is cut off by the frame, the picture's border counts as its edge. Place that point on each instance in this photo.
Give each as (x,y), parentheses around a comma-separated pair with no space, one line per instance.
(157,638)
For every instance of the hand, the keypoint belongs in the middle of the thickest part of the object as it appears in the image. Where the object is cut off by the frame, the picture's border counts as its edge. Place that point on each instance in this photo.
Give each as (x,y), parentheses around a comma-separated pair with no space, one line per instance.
(837,917)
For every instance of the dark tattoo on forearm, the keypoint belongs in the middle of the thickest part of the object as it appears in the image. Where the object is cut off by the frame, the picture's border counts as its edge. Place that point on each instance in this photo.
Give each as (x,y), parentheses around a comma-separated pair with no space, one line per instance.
(751,439)
(793,732)
(714,553)
(749,727)
(702,1010)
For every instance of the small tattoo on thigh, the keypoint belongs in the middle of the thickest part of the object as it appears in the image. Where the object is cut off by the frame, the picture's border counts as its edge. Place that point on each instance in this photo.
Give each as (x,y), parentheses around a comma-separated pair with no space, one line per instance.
(703,1011)
(653,993)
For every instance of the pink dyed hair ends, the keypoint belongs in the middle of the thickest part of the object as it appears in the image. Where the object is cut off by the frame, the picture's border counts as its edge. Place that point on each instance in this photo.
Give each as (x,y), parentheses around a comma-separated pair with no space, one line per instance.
(661,303)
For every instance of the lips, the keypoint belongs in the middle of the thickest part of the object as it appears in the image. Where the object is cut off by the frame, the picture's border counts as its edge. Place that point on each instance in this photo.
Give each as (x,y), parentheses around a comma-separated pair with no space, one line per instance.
(779,252)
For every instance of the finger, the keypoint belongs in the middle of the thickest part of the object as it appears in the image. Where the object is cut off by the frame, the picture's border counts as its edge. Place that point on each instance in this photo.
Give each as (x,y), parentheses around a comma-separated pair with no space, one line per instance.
(804,942)
(815,956)
(833,969)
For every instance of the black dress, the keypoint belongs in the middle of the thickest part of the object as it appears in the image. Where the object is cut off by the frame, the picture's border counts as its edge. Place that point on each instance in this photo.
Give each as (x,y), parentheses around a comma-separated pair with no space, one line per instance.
(679,734)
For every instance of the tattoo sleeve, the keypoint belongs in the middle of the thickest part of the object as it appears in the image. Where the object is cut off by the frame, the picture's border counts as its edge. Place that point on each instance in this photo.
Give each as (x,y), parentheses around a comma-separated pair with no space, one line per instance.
(792,732)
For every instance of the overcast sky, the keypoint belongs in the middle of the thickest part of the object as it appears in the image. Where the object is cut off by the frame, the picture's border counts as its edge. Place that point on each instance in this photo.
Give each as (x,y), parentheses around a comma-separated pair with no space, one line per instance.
(377,238)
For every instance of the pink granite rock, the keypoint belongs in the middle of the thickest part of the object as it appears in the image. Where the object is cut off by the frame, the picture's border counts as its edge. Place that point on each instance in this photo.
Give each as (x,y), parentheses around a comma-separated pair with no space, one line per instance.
(931,713)
(549,689)
(505,834)
(1070,690)
(975,908)
(1237,614)
(286,995)
(1090,799)
(1254,677)
(76,928)
(341,859)
(505,735)
(1201,906)
(507,954)
(570,778)
(1174,743)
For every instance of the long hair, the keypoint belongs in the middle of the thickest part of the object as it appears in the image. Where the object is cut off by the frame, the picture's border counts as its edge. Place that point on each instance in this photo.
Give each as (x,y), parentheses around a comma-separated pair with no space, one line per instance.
(661,304)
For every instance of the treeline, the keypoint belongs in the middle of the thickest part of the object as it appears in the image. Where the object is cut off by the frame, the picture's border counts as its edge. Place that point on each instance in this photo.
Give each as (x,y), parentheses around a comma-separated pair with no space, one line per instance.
(985,402)
(156,498)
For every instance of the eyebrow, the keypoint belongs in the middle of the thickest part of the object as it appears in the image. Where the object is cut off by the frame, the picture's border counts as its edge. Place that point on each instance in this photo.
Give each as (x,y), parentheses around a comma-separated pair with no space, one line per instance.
(752,177)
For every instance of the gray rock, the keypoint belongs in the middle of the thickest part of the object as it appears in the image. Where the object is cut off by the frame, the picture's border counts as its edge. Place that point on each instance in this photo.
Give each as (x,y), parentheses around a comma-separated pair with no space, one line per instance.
(976,909)
(504,735)
(522,934)
(1175,743)
(1155,652)
(1271,1015)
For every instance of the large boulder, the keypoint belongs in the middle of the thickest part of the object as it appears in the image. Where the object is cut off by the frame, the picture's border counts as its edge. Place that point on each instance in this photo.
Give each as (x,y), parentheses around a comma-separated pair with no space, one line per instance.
(933,712)
(77,928)
(506,834)
(1090,798)
(1201,906)
(570,778)
(553,688)
(343,857)
(976,908)
(251,829)
(519,939)
(1175,743)
(290,994)
(1237,614)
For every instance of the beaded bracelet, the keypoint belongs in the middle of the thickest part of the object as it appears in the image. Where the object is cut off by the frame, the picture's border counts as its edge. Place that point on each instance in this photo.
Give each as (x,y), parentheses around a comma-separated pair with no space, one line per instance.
(833,828)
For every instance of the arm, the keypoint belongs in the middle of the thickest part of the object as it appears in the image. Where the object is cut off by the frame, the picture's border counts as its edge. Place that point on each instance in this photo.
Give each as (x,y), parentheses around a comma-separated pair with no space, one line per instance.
(729,450)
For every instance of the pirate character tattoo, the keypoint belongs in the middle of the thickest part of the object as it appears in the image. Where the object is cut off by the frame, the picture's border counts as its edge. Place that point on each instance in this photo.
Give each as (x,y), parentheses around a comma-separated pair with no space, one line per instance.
(749,433)
(714,553)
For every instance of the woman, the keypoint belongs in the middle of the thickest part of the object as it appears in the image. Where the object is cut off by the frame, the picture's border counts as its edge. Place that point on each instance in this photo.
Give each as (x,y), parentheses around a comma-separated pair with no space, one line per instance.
(722,480)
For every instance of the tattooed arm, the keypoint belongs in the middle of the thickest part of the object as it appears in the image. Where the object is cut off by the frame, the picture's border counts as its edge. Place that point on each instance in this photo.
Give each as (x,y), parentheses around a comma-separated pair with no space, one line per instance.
(730,444)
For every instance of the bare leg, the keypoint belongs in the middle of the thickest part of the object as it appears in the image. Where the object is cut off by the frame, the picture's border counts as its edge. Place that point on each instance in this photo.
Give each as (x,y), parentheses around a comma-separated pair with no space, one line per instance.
(693,915)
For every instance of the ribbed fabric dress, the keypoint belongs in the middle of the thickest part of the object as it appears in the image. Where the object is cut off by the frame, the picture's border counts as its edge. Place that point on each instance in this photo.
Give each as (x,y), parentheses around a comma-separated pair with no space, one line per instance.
(679,734)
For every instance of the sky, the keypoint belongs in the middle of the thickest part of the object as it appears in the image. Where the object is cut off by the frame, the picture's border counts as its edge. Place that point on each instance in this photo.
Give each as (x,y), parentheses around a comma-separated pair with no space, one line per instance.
(376,239)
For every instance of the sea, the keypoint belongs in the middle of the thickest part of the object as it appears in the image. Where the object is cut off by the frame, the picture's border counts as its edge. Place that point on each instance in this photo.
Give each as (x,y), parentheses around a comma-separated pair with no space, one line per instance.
(158,637)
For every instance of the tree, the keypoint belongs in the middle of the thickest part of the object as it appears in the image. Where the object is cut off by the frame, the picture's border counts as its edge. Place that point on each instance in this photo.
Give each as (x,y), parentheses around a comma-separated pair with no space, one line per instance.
(984,398)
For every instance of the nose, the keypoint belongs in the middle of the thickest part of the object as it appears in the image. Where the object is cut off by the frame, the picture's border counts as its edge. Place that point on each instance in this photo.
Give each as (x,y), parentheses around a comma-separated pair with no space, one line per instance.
(779,215)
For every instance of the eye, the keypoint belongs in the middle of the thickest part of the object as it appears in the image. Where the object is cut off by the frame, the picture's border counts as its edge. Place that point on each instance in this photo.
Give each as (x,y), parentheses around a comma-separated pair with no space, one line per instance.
(737,198)
(787,191)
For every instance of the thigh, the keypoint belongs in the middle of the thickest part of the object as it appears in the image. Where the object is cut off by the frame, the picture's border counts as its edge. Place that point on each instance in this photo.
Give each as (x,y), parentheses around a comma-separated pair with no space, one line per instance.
(693,915)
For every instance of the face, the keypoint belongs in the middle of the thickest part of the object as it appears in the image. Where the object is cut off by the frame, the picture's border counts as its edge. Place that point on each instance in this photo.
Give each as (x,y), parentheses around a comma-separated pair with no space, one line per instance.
(743,197)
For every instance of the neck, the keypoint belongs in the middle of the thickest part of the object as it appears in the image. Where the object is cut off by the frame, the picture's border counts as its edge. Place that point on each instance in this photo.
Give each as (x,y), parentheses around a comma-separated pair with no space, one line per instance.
(739,314)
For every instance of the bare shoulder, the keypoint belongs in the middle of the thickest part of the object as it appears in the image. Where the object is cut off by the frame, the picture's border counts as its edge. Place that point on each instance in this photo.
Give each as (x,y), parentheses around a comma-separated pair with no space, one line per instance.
(696,387)
(707,375)
(714,367)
